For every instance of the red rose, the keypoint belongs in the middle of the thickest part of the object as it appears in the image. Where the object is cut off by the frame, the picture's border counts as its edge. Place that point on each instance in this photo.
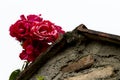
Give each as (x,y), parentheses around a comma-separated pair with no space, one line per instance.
(22,27)
(46,31)
(32,49)
(20,30)
(32,18)
(29,57)
(27,53)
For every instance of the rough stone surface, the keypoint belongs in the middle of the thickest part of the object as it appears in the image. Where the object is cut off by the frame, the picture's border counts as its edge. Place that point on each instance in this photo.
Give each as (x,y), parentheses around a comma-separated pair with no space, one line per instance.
(102,72)
(103,53)
(80,64)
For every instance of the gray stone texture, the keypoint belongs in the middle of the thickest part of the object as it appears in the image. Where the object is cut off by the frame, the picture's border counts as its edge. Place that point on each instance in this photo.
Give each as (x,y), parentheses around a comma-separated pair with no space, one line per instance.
(102,54)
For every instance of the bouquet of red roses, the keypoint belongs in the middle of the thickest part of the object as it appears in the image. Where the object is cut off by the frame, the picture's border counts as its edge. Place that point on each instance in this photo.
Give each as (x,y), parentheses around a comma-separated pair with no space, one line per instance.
(35,36)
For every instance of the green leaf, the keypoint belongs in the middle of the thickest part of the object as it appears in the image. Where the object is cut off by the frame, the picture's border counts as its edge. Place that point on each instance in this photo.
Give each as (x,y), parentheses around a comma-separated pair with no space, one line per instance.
(39,77)
(14,74)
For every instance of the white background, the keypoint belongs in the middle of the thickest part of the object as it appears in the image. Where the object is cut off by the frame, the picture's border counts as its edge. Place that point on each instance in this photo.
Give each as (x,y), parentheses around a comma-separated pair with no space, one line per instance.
(100,15)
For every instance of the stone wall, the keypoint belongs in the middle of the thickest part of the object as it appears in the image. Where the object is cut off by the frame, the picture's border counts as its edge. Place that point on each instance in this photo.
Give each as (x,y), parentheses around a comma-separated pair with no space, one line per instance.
(83,59)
